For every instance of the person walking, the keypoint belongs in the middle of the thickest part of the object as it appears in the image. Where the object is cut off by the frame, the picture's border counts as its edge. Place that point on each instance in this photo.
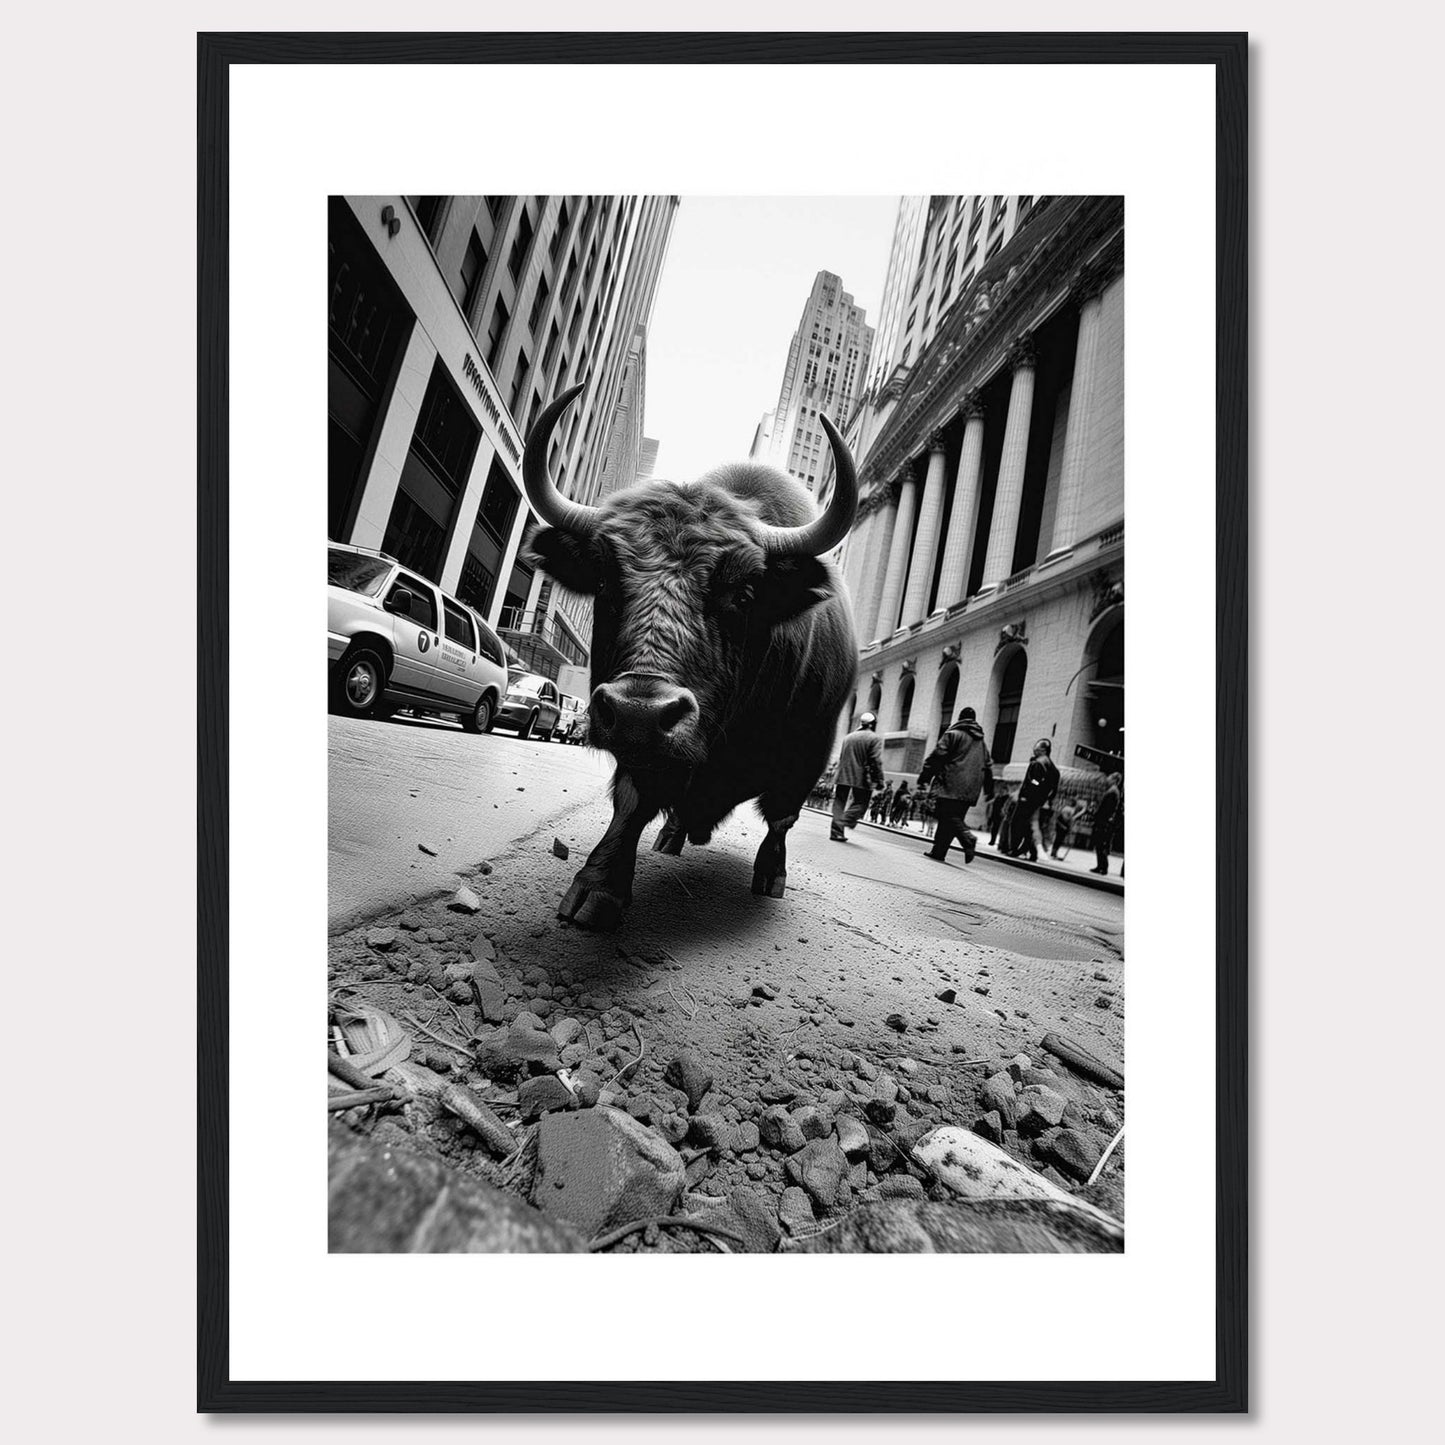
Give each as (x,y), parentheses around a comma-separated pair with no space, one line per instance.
(1040,783)
(998,807)
(860,770)
(1106,820)
(898,812)
(1063,821)
(961,766)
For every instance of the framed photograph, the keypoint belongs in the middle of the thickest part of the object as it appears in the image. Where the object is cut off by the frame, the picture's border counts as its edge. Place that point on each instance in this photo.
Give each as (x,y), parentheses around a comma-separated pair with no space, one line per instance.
(705,850)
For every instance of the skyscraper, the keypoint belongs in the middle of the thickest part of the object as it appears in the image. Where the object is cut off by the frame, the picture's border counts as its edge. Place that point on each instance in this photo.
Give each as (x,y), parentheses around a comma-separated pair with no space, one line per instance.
(826,370)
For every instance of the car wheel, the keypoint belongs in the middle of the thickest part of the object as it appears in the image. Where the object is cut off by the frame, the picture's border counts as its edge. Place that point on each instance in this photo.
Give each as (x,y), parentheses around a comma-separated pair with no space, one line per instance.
(525,731)
(479,720)
(548,735)
(361,677)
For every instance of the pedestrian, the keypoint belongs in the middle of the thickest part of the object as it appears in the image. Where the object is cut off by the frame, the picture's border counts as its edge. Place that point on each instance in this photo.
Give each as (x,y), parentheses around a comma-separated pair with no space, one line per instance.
(898,813)
(1063,821)
(961,766)
(926,813)
(882,802)
(1040,783)
(997,806)
(1106,820)
(860,770)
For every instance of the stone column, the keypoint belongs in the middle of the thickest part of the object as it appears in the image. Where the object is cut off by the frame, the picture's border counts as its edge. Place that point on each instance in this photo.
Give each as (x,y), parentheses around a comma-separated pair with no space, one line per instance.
(958,550)
(886,623)
(858,542)
(925,549)
(1008,500)
(870,578)
(1081,413)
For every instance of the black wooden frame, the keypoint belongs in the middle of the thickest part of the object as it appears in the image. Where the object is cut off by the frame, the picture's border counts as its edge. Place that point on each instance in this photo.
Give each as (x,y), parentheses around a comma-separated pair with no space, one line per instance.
(1228,53)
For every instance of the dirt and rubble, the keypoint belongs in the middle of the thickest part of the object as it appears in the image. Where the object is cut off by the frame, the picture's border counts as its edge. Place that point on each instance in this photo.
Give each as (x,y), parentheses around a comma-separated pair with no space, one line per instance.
(727,1072)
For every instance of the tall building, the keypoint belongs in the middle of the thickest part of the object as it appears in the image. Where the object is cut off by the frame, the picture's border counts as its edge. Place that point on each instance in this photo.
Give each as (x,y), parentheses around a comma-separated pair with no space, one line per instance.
(826,368)
(452,320)
(647,463)
(987,563)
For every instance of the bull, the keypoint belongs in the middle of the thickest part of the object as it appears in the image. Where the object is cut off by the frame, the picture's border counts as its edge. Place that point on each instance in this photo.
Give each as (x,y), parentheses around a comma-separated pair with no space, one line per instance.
(722,652)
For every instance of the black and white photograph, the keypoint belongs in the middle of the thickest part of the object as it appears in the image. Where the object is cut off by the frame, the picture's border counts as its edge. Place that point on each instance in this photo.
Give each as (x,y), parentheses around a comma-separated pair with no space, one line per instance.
(725,759)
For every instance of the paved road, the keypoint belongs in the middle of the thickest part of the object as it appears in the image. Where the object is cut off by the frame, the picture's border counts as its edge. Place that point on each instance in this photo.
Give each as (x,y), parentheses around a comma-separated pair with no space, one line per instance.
(395,785)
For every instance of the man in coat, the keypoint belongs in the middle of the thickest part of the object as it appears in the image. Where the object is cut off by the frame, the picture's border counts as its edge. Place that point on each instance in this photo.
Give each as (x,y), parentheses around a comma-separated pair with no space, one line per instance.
(1040,783)
(860,770)
(962,767)
(1106,819)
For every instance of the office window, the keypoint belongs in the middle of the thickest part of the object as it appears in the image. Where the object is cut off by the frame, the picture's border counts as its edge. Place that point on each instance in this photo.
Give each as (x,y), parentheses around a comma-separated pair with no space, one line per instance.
(539,304)
(495,206)
(558,234)
(552,339)
(534,409)
(474,267)
(571,274)
(519,382)
(429,213)
(495,332)
(498,506)
(521,245)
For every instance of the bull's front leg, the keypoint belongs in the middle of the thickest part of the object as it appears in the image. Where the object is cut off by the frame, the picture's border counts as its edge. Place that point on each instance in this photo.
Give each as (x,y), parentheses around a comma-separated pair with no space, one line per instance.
(603,885)
(671,836)
(770,867)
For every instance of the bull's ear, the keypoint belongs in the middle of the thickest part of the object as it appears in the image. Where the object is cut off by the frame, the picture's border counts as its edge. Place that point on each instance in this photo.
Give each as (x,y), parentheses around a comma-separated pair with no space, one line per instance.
(791,585)
(570,559)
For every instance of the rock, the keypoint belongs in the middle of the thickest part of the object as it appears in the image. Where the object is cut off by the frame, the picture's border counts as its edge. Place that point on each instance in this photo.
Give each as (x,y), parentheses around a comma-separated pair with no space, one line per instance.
(779,1130)
(573,1055)
(819,1168)
(673,1128)
(565,1031)
(560,849)
(883,1154)
(465,901)
(530,1045)
(866,1070)
(1103,1001)
(795,1212)
(599,1168)
(777,1091)
(746,1137)
(488,990)
(947,995)
(1044,1077)
(980,989)
(1012,1226)
(852,1136)
(389,1200)
(908,1067)
(883,1104)
(938,1094)
(749,1214)
(709,1131)
(989,1126)
(382,938)
(1075,1153)
(428,850)
(997,1096)
(899,1022)
(816,1123)
(588,1087)
(764,990)
(900,1186)
(542,1095)
(1039,1109)
(688,1073)
(645,1108)
(410,920)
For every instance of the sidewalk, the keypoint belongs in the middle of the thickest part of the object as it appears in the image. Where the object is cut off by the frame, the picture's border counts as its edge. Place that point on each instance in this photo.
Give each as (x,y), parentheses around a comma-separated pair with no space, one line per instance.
(1074,865)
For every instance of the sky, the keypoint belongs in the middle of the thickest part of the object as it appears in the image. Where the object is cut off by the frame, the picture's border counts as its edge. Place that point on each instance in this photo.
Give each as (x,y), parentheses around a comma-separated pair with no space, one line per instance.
(737,274)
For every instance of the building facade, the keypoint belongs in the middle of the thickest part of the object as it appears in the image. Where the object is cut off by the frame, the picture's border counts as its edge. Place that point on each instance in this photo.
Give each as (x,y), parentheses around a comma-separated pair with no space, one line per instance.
(986,566)
(452,321)
(826,369)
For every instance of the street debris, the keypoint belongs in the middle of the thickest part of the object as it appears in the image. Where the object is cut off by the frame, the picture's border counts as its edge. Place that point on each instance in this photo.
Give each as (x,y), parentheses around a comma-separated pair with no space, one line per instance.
(465,901)
(560,849)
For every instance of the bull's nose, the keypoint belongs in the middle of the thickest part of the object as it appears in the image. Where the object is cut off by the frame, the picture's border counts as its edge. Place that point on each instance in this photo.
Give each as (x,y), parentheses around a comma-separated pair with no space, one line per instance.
(640,713)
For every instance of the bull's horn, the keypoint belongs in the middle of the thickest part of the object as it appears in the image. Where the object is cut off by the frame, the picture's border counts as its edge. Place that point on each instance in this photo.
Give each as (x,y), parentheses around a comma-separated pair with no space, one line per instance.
(548,503)
(823,534)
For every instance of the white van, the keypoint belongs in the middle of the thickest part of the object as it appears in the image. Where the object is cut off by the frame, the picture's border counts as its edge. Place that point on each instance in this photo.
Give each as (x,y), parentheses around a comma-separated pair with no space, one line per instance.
(395,640)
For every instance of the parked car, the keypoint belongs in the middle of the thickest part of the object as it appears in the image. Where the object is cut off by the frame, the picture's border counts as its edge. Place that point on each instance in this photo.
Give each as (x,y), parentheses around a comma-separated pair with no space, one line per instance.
(572,711)
(396,640)
(531,705)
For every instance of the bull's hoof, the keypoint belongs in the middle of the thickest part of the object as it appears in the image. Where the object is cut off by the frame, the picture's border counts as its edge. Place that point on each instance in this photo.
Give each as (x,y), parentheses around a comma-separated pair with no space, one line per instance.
(699,836)
(770,885)
(593,908)
(669,840)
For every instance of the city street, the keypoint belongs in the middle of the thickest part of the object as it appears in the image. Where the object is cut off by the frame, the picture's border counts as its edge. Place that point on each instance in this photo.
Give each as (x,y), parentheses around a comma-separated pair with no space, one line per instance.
(878,965)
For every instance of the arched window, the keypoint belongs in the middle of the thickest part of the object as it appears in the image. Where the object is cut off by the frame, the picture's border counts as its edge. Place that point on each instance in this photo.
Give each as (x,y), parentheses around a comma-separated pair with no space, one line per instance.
(905,701)
(1010,699)
(1099,715)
